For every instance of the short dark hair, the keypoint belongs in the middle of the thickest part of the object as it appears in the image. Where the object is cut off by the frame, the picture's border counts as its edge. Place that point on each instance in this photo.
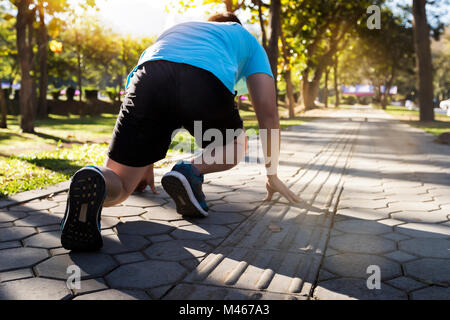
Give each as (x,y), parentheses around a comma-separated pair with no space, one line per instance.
(225,17)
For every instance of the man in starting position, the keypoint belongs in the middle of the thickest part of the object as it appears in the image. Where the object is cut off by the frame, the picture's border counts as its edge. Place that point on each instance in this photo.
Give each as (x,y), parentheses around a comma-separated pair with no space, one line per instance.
(189,75)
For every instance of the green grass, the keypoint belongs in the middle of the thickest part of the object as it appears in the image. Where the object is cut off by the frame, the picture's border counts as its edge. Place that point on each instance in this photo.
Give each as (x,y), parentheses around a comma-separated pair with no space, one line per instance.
(64,144)
(411,117)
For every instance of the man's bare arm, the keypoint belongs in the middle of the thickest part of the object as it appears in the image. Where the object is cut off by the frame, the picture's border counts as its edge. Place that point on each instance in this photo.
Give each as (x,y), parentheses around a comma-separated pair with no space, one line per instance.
(262,92)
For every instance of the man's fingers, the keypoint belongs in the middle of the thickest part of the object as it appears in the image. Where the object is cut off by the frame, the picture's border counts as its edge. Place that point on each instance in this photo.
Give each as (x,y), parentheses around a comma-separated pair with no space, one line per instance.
(153,188)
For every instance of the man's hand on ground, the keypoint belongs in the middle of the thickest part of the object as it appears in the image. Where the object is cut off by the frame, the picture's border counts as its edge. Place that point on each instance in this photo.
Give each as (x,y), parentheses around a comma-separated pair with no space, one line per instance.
(274,185)
(147,180)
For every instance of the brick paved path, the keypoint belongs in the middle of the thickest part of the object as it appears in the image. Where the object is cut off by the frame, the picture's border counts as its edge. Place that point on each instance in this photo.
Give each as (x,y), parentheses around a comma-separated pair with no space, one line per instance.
(375,192)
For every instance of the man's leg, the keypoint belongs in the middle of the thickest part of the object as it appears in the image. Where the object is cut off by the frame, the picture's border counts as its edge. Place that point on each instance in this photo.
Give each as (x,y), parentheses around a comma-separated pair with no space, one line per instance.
(92,188)
(222,158)
(121,181)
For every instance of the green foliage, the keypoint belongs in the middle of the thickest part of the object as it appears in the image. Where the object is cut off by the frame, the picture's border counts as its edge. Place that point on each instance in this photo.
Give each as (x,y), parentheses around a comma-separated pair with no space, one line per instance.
(37,170)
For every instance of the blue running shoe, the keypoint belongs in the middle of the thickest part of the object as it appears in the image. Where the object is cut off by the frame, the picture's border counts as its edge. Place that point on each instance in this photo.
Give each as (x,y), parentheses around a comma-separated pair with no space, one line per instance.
(80,228)
(185,188)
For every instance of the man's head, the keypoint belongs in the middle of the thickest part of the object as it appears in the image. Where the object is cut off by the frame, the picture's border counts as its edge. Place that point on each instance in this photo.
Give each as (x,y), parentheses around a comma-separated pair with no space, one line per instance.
(225,17)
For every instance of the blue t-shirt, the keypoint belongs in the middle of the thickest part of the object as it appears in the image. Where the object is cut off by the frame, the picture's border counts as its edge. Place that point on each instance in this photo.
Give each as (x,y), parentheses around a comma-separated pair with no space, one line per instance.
(227,50)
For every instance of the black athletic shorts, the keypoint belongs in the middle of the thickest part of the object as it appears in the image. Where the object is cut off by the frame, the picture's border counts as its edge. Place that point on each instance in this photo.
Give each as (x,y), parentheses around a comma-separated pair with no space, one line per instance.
(165,96)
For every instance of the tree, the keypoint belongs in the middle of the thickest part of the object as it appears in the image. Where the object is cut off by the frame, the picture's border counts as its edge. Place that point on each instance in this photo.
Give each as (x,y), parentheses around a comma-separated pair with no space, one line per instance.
(441,62)
(320,29)
(386,53)
(423,60)
(25,41)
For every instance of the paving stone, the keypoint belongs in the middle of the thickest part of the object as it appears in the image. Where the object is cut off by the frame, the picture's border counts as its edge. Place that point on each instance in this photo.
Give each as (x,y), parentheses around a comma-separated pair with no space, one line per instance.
(355,265)
(107,232)
(147,274)
(362,244)
(395,236)
(351,289)
(10,216)
(216,242)
(48,240)
(245,197)
(400,256)
(122,243)
(92,265)
(113,294)
(422,230)
(36,205)
(6,225)
(145,228)
(53,227)
(160,238)
(406,284)
(362,227)
(162,213)
(401,184)
(365,204)
(405,190)
(143,201)
(130,257)
(362,213)
(432,293)
(191,264)
(60,197)
(122,211)
(60,209)
(445,192)
(420,216)
(413,206)
(252,269)
(391,222)
(34,289)
(233,207)
(186,291)
(15,233)
(407,197)
(219,218)
(325,275)
(109,222)
(21,258)
(433,248)
(10,244)
(159,292)
(16,275)
(38,220)
(200,232)
(431,271)
(347,195)
(91,285)
(213,188)
(181,223)
(58,251)
(330,252)
(177,250)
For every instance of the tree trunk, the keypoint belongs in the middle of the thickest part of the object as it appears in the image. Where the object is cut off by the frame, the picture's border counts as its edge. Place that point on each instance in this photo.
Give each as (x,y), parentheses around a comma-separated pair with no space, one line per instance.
(43,57)
(336,83)
(24,26)
(3,122)
(423,60)
(290,92)
(275,26)
(229,5)
(287,76)
(261,24)
(327,72)
(310,90)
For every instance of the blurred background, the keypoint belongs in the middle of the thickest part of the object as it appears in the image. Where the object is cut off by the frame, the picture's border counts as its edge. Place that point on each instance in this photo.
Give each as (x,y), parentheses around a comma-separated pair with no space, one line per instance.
(64,64)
